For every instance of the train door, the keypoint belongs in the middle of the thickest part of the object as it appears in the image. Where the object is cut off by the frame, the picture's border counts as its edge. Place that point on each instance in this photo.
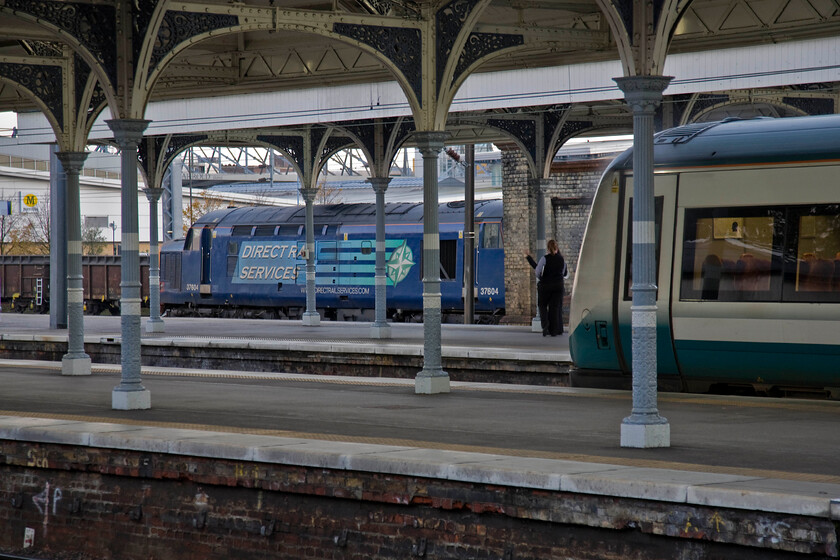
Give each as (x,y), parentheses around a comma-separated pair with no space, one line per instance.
(489,267)
(205,247)
(665,193)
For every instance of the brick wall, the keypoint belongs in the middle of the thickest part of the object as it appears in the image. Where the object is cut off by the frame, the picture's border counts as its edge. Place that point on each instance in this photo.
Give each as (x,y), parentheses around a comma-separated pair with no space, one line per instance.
(520,231)
(85,503)
(568,192)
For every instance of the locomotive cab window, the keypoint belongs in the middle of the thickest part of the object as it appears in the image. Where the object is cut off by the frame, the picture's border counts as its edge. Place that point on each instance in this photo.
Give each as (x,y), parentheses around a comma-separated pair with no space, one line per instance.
(193,239)
(188,240)
(491,235)
(733,254)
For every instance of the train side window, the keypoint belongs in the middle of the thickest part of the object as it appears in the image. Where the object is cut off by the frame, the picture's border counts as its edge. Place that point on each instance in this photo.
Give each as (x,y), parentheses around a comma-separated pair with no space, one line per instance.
(232,258)
(264,230)
(241,231)
(732,254)
(289,230)
(813,254)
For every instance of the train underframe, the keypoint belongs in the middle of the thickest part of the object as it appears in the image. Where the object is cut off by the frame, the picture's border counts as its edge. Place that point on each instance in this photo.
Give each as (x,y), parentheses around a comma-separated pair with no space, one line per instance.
(395,315)
(91,306)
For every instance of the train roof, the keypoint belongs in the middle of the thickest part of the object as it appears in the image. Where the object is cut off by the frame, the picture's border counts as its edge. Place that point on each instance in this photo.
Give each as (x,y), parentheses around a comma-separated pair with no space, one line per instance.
(344,213)
(744,141)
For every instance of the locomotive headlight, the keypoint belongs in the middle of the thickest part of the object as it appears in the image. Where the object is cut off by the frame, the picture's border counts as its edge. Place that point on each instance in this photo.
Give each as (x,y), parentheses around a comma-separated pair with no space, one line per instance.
(585,320)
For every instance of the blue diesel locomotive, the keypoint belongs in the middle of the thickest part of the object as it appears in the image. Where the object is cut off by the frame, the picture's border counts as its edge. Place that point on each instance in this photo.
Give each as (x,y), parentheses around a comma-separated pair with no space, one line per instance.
(246,262)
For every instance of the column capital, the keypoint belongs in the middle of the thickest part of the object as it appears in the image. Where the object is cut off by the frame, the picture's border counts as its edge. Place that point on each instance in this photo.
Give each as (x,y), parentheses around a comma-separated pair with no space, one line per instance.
(643,93)
(379,184)
(153,194)
(539,184)
(430,141)
(308,193)
(72,161)
(128,132)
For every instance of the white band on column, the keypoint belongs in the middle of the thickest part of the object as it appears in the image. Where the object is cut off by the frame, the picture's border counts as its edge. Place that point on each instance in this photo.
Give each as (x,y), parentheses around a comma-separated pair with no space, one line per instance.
(130,239)
(74,247)
(431,301)
(643,232)
(130,306)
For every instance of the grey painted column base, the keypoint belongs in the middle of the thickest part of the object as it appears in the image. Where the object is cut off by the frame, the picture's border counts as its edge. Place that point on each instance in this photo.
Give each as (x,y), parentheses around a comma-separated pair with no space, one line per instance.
(155,326)
(130,394)
(311,319)
(644,428)
(645,436)
(380,331)
(75,365)
(536,324)
(431,383)
(432,379)
(131,400)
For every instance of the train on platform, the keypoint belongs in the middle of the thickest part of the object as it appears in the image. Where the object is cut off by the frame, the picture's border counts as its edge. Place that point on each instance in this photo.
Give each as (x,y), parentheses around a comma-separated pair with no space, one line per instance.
(747,230)
(25,283)
(249,262)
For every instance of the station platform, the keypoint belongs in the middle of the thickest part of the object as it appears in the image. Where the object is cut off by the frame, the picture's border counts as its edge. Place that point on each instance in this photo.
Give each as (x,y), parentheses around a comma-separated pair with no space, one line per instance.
(484,353)
(483,340)
(762,457)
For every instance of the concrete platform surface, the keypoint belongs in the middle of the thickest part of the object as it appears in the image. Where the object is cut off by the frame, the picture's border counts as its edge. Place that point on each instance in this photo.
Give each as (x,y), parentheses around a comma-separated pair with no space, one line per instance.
(759,454)
(485,341)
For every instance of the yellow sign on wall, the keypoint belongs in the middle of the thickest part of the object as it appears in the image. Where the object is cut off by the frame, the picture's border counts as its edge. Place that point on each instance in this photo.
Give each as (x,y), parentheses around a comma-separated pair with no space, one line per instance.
(30,200)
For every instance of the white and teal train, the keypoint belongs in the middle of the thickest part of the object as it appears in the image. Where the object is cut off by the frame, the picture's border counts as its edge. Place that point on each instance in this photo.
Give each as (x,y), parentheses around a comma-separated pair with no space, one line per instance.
(748,242)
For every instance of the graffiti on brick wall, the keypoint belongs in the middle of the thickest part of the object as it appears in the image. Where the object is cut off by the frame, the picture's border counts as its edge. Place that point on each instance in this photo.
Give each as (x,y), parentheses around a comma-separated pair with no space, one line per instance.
(37,458)
(44,500)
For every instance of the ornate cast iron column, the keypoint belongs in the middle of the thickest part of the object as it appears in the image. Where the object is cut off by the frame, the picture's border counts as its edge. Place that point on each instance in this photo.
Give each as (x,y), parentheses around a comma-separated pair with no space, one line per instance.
(644,427)
(469,235)
(75,361)
(155,323)
(58,243)
(380,327)
(311,317)
(130,394)
(539,196)
(432,379)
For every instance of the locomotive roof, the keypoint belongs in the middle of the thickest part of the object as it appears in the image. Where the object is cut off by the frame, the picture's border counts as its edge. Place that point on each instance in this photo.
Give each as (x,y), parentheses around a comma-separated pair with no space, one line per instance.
(344,213)
(744,141)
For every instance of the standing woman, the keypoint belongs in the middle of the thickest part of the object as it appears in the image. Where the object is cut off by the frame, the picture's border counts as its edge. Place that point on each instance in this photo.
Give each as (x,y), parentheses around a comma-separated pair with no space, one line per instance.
(550,272)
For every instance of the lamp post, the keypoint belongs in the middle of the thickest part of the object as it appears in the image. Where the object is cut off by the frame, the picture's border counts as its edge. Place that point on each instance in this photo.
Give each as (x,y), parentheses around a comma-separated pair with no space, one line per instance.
(113,227)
